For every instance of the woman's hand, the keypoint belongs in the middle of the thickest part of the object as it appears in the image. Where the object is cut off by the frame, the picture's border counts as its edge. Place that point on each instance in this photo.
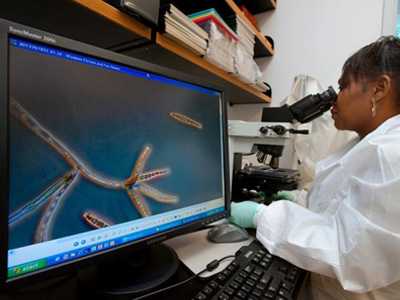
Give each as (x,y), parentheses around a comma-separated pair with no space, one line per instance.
(284,195)
(243,213)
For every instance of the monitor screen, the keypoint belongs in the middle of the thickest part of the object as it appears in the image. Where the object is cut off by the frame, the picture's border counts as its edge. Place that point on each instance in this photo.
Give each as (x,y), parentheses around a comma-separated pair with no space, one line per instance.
(102,155)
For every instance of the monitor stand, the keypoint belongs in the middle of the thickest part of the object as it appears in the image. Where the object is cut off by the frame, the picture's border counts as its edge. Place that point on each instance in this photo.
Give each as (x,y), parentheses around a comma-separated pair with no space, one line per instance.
(140,273)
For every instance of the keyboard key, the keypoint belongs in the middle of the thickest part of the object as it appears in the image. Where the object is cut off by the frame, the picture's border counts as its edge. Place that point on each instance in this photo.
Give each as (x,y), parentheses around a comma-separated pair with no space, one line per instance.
(269,295)
(274,285)
(284,293)
(229,291)
(213,284)
(256,260)
(241,294)
(239,279)
(254,277)
(208,290)
(249,269)
(265,279)
(251,282)
(258,271)
(200,296)
(261,286)
(221,278)
(223,297)
(287,286)
(246,288)
(257,292)
(272,289)
(244,274)
(234,285)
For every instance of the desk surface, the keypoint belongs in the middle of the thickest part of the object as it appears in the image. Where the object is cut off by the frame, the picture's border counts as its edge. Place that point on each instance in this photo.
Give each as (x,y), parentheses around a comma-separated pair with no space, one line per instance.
(195,251)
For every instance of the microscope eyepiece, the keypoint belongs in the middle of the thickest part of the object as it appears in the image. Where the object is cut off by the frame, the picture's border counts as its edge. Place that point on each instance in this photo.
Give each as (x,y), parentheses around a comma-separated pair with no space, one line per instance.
(329,96)
(313,106)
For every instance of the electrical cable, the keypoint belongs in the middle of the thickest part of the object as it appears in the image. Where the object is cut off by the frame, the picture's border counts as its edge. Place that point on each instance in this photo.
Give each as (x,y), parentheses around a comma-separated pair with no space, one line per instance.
(210,267)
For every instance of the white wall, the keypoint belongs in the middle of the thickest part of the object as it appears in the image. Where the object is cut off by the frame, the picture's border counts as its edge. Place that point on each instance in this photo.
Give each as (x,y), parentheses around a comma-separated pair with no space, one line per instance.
(389,18)
(312,37)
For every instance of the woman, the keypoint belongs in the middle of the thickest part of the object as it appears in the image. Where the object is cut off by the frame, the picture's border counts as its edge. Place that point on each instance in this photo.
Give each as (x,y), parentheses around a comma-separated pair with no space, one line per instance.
(349,237)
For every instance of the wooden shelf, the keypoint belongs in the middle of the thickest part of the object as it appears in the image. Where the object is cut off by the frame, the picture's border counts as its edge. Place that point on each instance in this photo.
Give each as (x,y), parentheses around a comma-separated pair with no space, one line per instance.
(260,38)
(113,14)
(227,8)
(98,23)
(170,45)
(76,21)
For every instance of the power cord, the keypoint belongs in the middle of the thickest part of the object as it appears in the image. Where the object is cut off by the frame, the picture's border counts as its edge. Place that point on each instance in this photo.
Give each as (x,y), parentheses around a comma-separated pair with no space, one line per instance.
(210,267)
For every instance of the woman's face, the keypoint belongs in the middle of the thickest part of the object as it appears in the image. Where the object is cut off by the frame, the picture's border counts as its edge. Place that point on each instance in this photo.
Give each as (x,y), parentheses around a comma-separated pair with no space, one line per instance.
(352,109)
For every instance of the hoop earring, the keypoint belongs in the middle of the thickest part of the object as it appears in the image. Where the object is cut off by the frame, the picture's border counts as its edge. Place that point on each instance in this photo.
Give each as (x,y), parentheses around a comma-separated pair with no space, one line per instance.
(373,108)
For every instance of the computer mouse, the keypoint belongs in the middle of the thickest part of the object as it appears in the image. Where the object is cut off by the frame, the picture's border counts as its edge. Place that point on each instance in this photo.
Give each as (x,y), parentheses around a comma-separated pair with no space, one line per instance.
(227,233)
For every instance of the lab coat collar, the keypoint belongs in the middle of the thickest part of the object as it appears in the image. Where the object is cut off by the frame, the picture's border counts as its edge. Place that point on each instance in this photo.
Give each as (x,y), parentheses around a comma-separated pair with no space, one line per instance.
(389,124)
(335,158)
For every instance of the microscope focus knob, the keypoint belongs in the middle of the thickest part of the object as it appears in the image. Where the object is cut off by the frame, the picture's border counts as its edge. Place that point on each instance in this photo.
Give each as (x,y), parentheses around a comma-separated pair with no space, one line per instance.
(264,129)
(279,129)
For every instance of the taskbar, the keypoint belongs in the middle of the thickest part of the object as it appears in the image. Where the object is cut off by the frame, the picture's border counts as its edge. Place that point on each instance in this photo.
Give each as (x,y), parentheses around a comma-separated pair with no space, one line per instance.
(69,256)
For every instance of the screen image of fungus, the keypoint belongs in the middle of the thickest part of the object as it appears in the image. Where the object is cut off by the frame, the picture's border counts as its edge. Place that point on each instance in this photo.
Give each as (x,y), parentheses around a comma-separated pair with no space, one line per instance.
(135,185)
(91,147)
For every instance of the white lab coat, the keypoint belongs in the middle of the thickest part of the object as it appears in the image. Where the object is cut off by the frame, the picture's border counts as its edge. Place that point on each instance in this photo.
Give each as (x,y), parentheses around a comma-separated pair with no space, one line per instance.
(351,231)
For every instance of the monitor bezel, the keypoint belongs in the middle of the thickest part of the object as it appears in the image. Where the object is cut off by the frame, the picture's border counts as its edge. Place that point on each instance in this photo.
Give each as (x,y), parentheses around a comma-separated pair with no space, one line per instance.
(7,29)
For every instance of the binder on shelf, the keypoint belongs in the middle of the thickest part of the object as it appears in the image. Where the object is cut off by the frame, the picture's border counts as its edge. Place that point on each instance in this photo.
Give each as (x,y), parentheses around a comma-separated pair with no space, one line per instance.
(170,22)
(243,31)
(181,29)
(205,16)
(183,41)
(186,21)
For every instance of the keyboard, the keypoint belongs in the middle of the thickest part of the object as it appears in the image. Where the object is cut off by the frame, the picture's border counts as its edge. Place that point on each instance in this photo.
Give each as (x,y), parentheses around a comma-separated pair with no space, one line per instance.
(254,274)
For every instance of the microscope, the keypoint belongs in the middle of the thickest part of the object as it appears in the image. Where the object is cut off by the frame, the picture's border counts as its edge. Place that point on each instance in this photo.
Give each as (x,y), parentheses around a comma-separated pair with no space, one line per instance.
(267,140)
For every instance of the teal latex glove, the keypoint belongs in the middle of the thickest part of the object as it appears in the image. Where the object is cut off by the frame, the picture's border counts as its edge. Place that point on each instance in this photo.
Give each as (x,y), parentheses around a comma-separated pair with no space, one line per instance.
(284,195)
(242,214)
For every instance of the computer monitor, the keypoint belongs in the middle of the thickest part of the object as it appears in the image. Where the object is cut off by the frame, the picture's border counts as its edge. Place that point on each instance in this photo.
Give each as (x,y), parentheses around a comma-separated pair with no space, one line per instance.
(100,153)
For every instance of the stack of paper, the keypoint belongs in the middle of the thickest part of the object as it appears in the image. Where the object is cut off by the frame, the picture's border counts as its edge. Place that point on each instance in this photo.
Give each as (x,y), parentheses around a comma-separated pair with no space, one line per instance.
(204,17)
(222,39)
(245,67)
(244,32)
(184,31)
